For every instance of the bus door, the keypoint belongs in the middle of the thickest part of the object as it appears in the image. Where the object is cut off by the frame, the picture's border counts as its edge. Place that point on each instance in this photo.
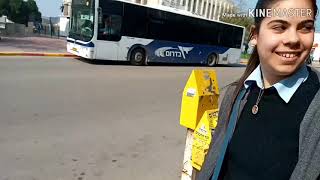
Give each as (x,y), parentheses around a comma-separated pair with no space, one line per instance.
(109,35)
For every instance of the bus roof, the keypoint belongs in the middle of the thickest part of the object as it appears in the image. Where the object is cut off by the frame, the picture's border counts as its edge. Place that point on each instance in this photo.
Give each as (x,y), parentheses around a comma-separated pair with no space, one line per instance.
(179,11)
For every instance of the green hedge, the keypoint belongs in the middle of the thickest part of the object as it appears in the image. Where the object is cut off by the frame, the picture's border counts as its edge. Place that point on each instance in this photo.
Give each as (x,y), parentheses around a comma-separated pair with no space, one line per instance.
(245,56)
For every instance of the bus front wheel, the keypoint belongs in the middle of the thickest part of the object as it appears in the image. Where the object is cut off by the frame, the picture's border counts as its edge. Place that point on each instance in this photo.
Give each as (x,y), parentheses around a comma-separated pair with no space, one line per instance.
(212,60)
(138,57)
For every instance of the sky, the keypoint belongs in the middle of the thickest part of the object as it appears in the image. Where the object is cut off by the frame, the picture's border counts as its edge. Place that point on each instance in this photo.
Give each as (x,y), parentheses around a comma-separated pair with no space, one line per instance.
(52,8)
(49,8)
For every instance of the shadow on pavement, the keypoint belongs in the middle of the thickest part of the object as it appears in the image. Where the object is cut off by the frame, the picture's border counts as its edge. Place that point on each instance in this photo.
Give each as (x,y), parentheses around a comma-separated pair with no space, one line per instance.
(126,63)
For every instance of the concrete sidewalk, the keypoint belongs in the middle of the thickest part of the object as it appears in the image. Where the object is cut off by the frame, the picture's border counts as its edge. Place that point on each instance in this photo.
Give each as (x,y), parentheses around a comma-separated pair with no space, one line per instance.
(33,46)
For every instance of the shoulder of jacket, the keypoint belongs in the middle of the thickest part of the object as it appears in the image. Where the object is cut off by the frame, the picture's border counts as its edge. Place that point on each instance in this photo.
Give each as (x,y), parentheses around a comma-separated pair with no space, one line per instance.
(315,71)
(231,87)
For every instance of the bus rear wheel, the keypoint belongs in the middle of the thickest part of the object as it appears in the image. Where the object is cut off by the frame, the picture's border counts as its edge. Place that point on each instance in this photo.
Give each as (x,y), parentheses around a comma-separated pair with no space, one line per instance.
(138,57)
(212,60)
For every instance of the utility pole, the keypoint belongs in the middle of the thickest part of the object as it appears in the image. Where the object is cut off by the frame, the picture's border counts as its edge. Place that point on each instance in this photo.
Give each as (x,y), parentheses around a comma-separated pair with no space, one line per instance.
(51,30)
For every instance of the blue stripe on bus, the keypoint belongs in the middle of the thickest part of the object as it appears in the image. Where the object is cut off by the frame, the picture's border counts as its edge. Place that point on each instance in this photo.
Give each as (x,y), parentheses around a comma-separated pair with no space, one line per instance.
(90,44)
(173,52)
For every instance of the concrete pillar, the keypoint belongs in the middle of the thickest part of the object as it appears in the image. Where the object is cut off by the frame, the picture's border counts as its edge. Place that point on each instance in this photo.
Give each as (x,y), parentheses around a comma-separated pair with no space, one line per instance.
(228,8)
(186,5)
(197,6)
(192,5)
(206,13)
(210,9)
(220,9)
(224,7)
(215,9)
(201,7)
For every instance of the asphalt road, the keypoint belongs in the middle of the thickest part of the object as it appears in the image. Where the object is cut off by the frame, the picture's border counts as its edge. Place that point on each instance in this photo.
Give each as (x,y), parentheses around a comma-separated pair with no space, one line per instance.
(65,119)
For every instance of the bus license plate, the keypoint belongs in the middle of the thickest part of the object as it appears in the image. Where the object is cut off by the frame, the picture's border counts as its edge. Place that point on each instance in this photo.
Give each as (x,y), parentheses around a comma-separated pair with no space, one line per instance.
(74,49)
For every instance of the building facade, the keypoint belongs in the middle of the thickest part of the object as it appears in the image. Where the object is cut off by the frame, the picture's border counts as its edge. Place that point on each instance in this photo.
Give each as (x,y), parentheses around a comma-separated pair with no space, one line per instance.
(65,18)
(66,8)
(210,9)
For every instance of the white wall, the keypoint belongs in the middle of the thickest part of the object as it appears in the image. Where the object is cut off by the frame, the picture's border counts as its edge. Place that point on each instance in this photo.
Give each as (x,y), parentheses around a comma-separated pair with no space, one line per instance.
(316,54)
(64,26)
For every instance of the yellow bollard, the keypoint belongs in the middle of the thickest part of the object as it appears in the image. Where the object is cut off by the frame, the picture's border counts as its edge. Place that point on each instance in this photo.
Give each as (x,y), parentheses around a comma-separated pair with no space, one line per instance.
(202,137)
(199,114)
(200,94)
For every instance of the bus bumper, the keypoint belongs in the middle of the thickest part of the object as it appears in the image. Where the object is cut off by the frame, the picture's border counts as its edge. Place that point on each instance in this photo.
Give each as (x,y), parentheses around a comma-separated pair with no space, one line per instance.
(79,50)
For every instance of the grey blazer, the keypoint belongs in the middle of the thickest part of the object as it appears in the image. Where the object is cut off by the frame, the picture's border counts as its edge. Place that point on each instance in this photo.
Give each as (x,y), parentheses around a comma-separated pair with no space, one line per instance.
(308,166)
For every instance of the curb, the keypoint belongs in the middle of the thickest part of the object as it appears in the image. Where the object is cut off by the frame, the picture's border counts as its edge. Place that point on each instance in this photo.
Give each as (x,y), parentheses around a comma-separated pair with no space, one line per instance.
(36,54)
(245,62)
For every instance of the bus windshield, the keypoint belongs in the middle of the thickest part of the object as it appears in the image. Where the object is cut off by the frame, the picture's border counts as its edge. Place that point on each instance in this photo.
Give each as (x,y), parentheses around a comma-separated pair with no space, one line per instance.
(82,20)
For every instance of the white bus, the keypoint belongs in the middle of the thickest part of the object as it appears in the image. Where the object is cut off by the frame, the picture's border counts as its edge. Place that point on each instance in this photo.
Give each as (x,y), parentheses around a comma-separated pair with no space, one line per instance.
(124,31)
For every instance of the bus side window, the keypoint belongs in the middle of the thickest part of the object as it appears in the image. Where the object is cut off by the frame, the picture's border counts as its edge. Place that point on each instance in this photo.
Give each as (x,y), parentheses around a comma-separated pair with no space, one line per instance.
(238,34)
(110,29)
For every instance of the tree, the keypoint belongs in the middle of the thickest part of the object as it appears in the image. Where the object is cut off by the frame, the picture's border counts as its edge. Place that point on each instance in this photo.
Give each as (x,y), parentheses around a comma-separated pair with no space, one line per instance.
(20,11)
(16,10)
(247,22)
(4,7)
(34,14)
(239,17)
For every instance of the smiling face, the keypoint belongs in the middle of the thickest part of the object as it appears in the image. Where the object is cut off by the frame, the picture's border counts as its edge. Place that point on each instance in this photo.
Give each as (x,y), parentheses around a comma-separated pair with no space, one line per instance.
(284,42)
